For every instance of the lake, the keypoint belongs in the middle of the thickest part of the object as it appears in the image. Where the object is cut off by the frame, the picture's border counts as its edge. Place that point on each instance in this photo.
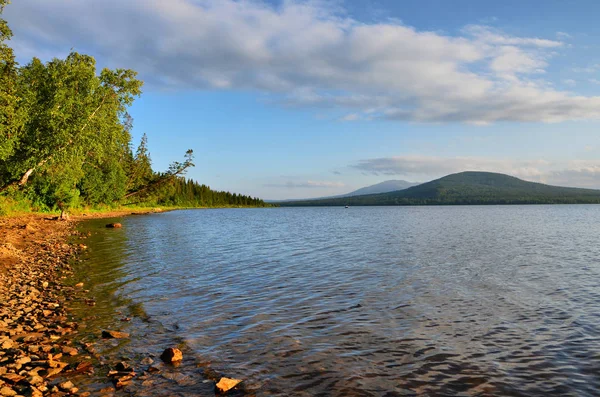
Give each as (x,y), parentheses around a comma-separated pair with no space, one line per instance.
(364,301)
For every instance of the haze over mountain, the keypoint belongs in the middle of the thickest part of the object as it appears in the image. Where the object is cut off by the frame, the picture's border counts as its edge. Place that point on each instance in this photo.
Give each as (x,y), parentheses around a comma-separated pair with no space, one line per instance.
(381,187)
(469,187)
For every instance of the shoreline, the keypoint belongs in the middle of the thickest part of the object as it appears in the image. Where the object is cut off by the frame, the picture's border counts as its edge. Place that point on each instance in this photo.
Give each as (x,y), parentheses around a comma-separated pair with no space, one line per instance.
(35,327)
(43,349)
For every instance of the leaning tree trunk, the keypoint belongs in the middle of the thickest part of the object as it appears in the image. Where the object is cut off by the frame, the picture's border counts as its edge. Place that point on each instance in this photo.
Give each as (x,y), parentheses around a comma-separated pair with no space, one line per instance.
(63,211)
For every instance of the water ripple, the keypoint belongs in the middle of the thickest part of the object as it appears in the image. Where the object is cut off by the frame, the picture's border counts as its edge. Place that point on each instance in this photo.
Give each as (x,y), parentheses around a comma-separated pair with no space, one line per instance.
(437,301)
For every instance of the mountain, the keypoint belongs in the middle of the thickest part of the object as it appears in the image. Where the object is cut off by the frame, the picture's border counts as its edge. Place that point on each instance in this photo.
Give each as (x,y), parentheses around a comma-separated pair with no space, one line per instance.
(382,187)
(468,187)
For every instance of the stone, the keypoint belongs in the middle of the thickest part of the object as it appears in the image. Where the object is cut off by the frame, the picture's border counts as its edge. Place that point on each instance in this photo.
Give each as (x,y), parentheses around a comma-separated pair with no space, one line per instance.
(71,351)
(147,361)
(171,355)
(114,334)
(31,337)
(114,225)
(23,360)
(12,378)
(226,384)
(7,344)
(84,366)
(7,392)
(35,380)
(66,386)
(79,285)
(123,366)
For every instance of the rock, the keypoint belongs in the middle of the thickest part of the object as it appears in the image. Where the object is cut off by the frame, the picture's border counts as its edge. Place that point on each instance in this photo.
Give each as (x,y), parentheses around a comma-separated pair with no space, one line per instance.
(114,334)
(66,386)
(7,392)
(23,360)
(171,355)
(12,378)
(45,284)
(147,361)
(79,285)
(35,380)
(7,344)
(123,366)
(114,225)
(71,351)
(31,337)
(226,384)
(84,366)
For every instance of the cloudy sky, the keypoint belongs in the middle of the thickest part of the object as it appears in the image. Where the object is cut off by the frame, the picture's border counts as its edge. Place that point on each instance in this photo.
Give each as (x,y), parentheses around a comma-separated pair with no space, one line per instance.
(293,99)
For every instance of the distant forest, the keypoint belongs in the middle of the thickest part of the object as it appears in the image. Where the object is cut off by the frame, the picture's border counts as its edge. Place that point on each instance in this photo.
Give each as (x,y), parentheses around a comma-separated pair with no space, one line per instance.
(65,140)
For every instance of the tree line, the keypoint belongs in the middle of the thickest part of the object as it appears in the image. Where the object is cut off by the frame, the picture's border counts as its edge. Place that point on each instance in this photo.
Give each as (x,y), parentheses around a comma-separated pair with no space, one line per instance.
(65,139)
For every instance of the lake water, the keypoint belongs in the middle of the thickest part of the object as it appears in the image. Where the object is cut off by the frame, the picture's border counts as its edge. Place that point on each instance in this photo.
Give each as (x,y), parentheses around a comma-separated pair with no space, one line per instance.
(365,301)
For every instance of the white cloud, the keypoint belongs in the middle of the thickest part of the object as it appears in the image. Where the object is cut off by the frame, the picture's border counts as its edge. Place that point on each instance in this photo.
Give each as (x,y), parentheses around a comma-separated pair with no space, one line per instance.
(350,117)
(569,82)
(309,54)
(588,69)
(577,173)
(594,81)
(563,35)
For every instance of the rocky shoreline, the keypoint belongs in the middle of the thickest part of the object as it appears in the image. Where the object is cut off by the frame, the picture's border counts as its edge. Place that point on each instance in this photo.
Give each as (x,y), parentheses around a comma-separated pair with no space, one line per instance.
(45,350)
(36,354)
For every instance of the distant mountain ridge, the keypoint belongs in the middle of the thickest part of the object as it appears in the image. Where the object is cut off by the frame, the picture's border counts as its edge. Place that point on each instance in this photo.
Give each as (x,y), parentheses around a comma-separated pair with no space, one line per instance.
(381,187)
(469,188)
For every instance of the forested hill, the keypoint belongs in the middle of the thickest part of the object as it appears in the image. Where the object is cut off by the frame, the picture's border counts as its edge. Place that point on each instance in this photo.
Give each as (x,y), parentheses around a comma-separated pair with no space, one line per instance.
(65,140)
(469,187)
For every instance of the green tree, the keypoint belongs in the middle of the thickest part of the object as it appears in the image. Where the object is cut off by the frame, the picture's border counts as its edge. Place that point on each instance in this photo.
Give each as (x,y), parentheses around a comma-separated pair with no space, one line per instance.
(10,117)
(140,170)
(73,115)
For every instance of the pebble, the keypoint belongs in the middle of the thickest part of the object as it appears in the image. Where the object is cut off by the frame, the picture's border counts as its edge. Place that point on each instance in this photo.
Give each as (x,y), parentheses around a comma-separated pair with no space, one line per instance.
(226,384)
(114,334)
(7,391)
(171,355)
(32,318)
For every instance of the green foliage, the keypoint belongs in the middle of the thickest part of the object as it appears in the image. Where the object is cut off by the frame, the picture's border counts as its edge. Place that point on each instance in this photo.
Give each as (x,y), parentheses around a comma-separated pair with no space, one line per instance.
(140,167)
(469,188)
(183,192)
(10,115)
(65,139)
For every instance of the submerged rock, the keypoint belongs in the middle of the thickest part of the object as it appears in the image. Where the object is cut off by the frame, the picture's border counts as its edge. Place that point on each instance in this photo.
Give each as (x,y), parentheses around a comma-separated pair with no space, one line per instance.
(114,225)
(114,334)
(171,355)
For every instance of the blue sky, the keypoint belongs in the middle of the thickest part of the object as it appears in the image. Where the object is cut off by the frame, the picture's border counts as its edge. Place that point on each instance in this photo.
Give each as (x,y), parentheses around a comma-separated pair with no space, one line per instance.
(294,99)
